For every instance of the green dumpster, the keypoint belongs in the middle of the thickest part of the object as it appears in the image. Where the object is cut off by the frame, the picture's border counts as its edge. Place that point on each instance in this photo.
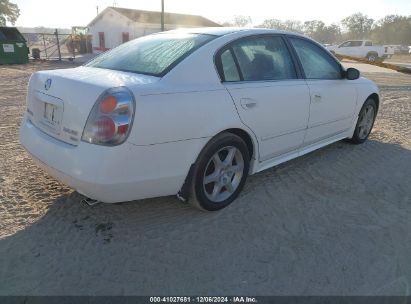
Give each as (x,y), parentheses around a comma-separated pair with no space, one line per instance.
(13,48)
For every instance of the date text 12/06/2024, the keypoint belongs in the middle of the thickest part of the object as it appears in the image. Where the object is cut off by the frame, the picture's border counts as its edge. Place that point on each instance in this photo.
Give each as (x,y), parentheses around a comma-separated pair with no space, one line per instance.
(203,300)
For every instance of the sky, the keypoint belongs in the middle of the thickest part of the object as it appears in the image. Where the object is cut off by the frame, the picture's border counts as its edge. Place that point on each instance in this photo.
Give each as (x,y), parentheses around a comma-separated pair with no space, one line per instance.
(64,14)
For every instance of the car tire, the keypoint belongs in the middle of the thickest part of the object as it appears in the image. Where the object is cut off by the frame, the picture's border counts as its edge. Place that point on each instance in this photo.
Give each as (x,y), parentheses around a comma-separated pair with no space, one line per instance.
(365,122)
(372,57)
(219,173)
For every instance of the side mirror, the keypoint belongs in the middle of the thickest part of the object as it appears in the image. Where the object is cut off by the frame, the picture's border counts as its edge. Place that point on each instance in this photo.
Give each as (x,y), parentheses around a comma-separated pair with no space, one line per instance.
(352,74)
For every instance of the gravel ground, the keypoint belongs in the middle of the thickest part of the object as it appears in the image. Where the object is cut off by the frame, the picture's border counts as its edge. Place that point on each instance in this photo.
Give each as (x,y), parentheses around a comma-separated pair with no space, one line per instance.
(334,222)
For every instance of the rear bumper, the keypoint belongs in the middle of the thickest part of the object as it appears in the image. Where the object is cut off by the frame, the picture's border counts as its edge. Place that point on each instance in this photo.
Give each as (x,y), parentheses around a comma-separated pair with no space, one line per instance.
(112,174)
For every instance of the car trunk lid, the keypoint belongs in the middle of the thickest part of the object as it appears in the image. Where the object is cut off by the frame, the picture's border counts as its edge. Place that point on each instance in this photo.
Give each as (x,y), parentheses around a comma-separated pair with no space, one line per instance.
(59,101)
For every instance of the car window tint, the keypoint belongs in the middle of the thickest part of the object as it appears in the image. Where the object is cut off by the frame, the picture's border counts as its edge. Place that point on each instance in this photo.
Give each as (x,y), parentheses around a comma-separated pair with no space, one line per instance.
(356,43)
(151,55)
(316,62)
(346,44)
(230,72)
(368,43)
(264,58)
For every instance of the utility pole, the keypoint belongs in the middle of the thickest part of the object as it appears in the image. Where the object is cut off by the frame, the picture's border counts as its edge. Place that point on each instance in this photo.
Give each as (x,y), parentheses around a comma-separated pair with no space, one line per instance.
(162,15)
(97,9)
(58,43)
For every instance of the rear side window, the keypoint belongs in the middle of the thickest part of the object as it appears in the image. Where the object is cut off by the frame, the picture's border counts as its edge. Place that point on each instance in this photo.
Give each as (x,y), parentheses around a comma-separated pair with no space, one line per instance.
(316,62)
(259,58)
(151,55)
(356,43)
(229,68)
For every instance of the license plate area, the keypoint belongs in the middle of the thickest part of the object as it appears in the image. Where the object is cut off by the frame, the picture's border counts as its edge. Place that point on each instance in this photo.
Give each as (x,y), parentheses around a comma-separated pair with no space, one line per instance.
(48,113)
(52,116)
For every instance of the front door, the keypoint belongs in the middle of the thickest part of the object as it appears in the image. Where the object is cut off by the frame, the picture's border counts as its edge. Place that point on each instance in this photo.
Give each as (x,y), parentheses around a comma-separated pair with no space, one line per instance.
(333,98)
(349,48)
(261,78)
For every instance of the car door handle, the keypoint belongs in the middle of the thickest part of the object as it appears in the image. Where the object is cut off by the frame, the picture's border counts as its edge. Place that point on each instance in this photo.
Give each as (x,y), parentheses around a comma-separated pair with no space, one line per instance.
(248,103)
(317,97)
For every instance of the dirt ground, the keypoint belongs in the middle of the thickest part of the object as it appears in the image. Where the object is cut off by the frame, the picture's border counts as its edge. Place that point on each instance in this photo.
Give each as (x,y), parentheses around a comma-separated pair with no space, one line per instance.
(406,58)
(334,222)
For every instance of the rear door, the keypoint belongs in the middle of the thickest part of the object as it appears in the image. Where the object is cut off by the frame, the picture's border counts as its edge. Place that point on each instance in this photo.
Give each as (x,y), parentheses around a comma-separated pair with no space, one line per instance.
(270,98)
(333,97)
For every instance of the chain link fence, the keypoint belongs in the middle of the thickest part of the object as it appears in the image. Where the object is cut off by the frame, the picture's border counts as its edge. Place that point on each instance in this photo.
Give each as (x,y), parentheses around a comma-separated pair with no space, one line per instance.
(56,46)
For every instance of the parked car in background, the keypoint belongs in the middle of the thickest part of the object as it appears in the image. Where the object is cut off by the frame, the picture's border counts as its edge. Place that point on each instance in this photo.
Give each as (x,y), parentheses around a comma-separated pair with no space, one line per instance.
(192,112)
(362,49)
(399,49)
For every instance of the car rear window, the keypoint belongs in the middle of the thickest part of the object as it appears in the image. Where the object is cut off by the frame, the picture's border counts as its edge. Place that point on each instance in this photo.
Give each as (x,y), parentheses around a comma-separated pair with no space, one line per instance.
(151,55)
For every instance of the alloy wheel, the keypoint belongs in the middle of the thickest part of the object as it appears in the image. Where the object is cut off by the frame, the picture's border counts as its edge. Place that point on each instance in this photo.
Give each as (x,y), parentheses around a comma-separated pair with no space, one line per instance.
(223,174)
(366,122)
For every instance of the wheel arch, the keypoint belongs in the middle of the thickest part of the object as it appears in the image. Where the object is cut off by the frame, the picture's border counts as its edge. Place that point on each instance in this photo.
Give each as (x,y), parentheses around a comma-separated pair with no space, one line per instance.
(364,97)
(376,98)
(252,146)
(372,53)
(244,136)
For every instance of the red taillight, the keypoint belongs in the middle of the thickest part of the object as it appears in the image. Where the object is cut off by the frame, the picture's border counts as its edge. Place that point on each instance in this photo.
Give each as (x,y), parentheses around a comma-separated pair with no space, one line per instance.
(108,104)
(105,128)
(122,129)
(111,118)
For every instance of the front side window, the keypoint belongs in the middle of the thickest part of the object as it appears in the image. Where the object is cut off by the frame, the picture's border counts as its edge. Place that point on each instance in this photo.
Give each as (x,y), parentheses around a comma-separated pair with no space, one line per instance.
(151,55)
(316,62)
(259,58)
(351,44)
(346,44)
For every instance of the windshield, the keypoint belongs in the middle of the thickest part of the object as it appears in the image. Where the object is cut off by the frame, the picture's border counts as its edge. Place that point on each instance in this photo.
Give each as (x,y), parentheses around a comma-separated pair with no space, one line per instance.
(151,55)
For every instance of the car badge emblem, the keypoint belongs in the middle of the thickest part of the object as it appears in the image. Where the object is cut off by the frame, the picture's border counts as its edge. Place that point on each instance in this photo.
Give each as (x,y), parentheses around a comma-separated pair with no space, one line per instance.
(47,84)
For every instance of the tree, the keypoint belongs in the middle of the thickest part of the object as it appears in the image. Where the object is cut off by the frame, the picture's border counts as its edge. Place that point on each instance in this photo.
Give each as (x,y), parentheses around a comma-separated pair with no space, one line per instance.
(358,26)
(314,29)
(241,21)
(392,29)
(8,12)
(332,34)
(273,24)
(294,26)
(317,30)
(288,25)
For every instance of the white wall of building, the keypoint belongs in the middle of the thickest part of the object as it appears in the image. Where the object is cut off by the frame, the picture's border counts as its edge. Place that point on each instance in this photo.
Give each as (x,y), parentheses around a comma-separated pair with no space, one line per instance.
(113,24)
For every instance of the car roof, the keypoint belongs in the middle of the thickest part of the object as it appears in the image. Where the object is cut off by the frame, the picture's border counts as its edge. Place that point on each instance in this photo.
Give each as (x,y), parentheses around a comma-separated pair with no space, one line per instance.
(221,31)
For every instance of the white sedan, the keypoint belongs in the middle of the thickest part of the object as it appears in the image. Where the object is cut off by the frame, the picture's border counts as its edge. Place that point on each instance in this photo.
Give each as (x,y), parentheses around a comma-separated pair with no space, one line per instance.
(193,113)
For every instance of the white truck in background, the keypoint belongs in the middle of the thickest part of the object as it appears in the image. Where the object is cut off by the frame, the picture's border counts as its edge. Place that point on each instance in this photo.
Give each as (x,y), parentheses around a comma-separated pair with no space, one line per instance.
(362,49)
